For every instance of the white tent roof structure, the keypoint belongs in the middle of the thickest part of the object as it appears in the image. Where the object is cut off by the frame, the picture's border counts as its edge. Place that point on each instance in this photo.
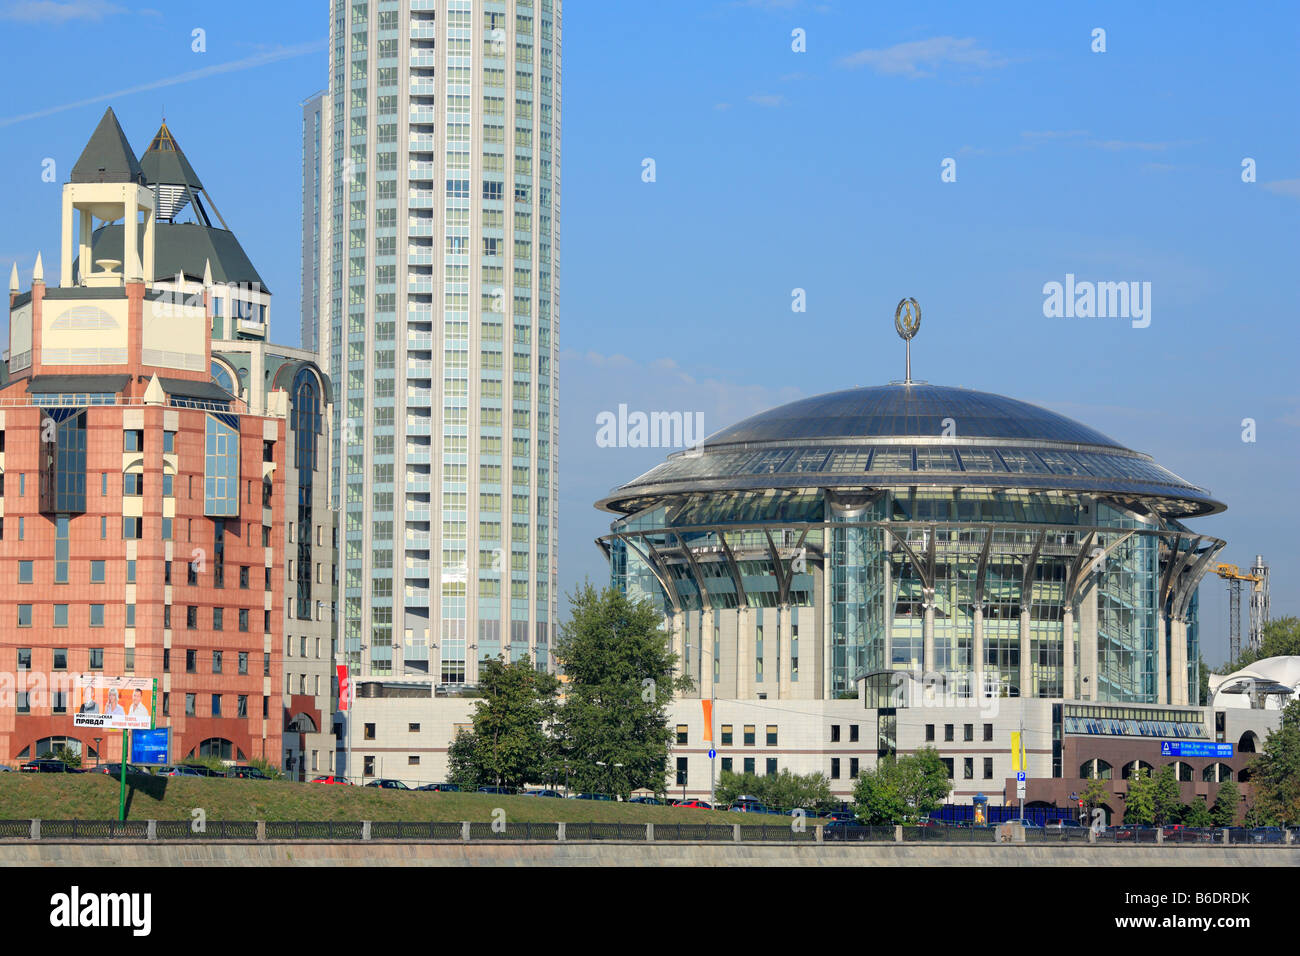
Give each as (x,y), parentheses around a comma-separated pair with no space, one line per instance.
(1267,684)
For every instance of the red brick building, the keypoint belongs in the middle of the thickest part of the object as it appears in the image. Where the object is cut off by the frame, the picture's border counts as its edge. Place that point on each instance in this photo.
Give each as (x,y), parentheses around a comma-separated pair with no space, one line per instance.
(142,531)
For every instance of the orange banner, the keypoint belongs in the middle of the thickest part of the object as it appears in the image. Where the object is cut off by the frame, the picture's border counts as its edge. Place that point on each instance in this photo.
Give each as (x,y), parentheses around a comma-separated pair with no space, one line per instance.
(708,720)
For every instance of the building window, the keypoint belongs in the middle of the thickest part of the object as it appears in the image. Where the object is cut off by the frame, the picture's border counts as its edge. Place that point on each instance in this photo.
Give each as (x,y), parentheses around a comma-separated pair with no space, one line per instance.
(216,662)
(771,735)
(853,768)
(216,705)
(682,733)
(190,704)
(749,735)
(243,576)
(947,732)
(243,619)
(835,733)
(191,617)
(24,658)
(947,764)
(771,766)
(968,732)
(929,733)
(24,572)
(853,733)
(60,615)
(988,732)
(243,662)
(241,704)
(96,615)
(191,662)
(726,735)
(968,768)
(133,440)
(60,658)
(24,615)
(218,618)
(988,768)
(96,658)
(681,771)
(369,732)
(412,728)
(835,768)
(749,765)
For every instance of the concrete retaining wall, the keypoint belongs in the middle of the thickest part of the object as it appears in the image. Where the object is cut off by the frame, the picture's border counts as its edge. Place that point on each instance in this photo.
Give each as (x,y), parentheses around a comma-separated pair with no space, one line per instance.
(120,853)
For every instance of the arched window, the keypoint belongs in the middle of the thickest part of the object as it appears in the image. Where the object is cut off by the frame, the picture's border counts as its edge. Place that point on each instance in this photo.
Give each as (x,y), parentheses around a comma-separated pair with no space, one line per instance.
(1248,744)
(221,376)
(1216,772)
(218,747)
(51,744)
(306,419)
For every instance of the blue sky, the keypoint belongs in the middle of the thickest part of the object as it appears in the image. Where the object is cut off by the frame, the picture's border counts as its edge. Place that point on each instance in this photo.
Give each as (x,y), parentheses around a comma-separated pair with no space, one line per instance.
(778,170)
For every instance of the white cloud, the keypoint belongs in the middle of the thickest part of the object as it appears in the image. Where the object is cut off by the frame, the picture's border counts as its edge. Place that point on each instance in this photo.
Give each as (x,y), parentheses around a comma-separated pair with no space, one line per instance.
(919,58)
(52,11)
(1284,187)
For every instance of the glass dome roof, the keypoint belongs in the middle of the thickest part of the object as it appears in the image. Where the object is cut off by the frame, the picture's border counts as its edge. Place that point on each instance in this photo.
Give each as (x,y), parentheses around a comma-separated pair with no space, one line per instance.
(908,411)
(911,435)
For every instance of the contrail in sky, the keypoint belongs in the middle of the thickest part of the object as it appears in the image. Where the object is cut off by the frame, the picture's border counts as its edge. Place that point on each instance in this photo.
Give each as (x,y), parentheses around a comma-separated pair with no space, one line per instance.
(261,59)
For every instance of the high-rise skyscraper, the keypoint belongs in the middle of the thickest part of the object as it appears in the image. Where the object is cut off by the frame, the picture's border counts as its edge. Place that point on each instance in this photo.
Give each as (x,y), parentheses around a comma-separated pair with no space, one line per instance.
(438,318)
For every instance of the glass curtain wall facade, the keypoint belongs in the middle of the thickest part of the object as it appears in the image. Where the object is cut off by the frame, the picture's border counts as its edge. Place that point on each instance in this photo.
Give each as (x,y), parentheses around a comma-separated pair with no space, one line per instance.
(441,159)
(1012,578)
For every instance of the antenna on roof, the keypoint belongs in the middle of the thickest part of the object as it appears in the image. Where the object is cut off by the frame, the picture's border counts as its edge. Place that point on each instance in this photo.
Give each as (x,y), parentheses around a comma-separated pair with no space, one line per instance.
(907,320)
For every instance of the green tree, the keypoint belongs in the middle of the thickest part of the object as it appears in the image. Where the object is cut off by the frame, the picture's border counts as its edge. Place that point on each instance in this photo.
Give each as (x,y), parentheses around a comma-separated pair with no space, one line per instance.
(1139,804)
(878,797)
(1275,771)
(1224,810)
(61,752)
(462,761)
(619,667)
(511,746)
(924,782)
(1094,795)
(1281,638)
(1166,800)
(781,791)
(1197,814)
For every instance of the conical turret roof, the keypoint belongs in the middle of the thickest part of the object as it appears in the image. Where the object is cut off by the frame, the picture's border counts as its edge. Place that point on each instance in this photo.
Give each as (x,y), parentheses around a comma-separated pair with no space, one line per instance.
(164,163)
(108,157)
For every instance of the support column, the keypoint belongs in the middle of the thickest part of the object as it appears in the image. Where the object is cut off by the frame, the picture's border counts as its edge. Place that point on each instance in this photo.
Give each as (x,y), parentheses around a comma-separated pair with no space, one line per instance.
(1088,646)
(1178,663)
(744,654)
(783,687)
(1026,669)
(149,241)
(927,632)
(977,650)
(1067,656)
(679,642)
(706,654)
(83,244)
(65,246)
(131,243)
(1162,660)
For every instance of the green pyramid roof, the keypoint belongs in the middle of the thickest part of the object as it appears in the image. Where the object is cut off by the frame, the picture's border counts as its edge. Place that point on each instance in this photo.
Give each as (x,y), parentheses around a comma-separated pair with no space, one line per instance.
(164,163)
(108,157)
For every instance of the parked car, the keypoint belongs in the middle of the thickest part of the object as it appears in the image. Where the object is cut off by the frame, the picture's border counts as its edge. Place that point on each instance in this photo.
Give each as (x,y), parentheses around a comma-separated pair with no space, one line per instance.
(180,770)
(202,771)
(845,830)
(441,787)
(247,773)
(1133,833)
(387,783)
(543,793)
(115,769)
(47,765)
(652,801)
(1056,826)
(1267,835)
(695,804)
(749,806)
(506,791)
(331,779)
(591,796)
(5,768)
(841,816)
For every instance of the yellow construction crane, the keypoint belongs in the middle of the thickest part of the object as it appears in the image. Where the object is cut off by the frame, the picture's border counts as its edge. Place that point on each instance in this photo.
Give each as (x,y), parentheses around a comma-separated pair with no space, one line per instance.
(1232,574)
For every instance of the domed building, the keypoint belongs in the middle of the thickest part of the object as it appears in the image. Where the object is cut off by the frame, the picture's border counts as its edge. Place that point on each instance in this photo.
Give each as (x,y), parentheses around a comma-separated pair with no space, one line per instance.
(910,545)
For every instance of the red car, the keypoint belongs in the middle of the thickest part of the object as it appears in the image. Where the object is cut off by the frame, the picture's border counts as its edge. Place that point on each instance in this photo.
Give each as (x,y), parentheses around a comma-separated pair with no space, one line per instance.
(696,804)
(340,780)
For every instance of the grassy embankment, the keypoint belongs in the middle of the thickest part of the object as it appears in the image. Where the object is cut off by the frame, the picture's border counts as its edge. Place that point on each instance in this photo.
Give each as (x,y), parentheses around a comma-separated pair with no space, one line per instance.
(94,796)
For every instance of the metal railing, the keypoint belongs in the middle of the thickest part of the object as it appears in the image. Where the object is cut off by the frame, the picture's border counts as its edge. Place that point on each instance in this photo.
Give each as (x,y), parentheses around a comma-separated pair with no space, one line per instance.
(426,831)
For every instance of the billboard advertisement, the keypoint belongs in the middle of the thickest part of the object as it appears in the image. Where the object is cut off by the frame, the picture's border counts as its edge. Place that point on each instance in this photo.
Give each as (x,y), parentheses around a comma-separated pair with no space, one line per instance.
(115,703)
(151,746)
(345,687)
(1194,748)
